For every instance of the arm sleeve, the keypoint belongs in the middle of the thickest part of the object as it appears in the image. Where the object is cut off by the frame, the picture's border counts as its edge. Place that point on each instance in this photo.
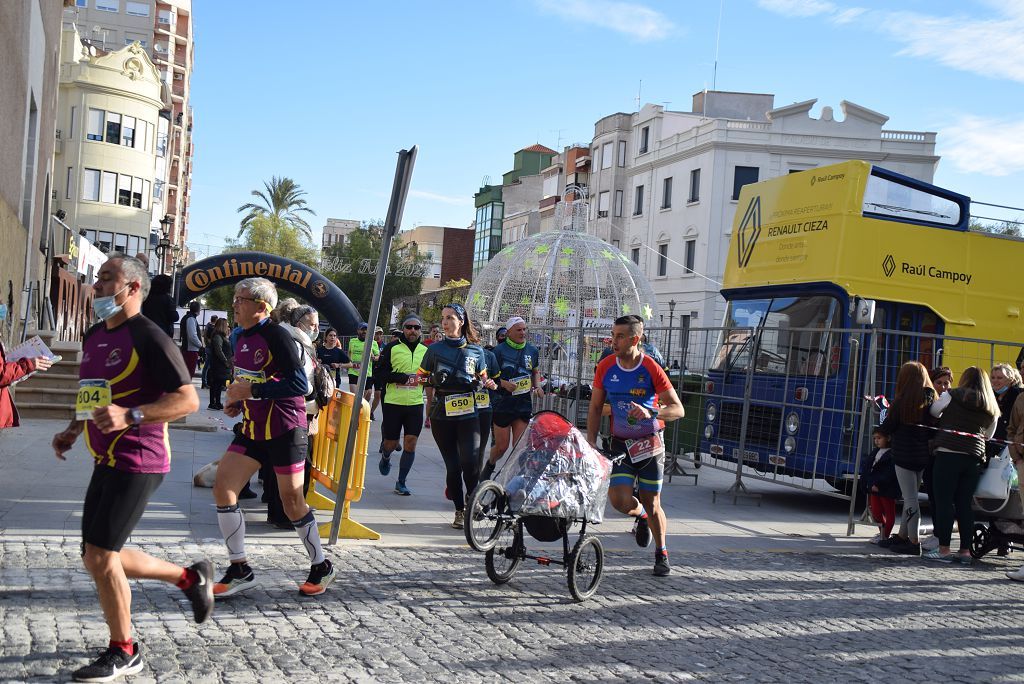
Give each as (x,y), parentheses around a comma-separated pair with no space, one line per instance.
(1013,430)
(991,429)
(427,364)
(160,357)
(193,332)
(383,367)
(939,405)
(658,377)
(218,349)
(891,422)
(599,373)
(291,381)
(15,370)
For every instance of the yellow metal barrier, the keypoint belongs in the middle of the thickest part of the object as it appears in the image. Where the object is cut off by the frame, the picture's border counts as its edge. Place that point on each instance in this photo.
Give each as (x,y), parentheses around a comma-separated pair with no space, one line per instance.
(328,456)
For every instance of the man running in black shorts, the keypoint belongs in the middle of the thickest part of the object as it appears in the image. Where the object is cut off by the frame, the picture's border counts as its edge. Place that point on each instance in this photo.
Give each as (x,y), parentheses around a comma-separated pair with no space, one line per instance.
(269,392)
(403,400)
(132,382)
(641,398)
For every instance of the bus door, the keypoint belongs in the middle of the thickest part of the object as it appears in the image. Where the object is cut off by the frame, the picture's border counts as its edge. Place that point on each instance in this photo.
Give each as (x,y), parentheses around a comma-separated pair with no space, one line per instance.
(894,349)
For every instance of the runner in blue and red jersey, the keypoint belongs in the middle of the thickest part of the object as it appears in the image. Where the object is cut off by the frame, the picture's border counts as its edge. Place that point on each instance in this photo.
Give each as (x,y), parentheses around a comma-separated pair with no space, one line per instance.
(641,399)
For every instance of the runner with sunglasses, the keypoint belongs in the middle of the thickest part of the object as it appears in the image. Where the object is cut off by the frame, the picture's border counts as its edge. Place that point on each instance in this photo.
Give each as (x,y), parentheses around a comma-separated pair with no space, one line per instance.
(403,399)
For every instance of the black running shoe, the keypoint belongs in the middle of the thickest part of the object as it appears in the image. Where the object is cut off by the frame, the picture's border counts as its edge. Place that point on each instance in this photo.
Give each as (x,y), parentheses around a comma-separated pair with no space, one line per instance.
(642,532)
(200,594)
(320,577)
(907,548)
(238,578)
(111,664)
(661,566)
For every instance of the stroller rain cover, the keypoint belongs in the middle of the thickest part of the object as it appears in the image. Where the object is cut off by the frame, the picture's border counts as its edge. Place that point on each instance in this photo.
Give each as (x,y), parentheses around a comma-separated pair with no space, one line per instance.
(552,471)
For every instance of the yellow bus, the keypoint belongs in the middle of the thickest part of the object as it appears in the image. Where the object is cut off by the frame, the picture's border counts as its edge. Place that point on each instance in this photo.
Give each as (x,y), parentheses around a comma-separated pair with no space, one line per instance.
(835,277)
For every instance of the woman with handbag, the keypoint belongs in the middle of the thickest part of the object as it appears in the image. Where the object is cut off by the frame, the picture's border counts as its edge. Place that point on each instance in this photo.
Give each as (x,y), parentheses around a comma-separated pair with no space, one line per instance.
(967,419)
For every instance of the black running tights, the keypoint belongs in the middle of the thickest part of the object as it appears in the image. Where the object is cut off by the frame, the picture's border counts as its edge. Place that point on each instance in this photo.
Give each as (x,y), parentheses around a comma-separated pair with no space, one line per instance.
(459,442)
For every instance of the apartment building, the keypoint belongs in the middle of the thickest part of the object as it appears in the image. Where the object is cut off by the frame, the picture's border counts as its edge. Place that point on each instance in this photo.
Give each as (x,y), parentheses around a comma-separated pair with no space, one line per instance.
(509,212)
(163,28)
(667,182)
(30,33)
(336,231)
(449,253)
(107,148)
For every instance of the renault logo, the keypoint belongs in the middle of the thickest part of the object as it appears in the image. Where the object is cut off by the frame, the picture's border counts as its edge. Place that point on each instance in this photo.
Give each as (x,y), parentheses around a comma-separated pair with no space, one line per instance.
(889,265)
(749,230)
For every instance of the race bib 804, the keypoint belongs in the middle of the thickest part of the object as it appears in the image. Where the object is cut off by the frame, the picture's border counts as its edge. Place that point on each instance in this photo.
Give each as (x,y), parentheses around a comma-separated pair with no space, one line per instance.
(92,394)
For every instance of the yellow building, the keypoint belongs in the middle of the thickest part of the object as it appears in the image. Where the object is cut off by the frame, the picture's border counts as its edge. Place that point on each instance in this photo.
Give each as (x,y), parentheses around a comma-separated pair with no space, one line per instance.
(107,151)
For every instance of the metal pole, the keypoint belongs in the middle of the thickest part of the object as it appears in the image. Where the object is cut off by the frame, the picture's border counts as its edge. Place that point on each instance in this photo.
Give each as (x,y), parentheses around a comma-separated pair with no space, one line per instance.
(738,489)
(399,192)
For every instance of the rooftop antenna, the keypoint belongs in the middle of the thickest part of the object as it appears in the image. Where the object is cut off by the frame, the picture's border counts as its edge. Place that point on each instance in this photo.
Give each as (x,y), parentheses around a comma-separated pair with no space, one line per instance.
(558,145)
(639,89)
(718,40)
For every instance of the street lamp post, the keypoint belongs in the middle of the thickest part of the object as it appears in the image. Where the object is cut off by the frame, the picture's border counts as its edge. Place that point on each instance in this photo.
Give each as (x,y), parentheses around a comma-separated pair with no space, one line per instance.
(164,245)
(671,317)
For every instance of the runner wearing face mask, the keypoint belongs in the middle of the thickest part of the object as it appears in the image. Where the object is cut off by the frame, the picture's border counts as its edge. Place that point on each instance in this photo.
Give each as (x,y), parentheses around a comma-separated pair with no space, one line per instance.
(133,381)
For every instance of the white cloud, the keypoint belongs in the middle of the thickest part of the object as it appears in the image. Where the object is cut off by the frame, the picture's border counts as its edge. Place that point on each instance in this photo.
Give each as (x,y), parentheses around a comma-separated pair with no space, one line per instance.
(634,20)
(989,46)
(798,8)
(989,146)
(444,199)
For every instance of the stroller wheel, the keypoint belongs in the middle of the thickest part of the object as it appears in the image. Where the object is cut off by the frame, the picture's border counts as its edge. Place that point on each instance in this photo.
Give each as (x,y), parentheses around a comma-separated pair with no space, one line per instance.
(503,558)
(586,566)
(484,515)
(981,541)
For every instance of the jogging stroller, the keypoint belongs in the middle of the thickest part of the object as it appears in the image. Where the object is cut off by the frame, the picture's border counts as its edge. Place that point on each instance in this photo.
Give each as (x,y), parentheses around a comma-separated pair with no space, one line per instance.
(552,481)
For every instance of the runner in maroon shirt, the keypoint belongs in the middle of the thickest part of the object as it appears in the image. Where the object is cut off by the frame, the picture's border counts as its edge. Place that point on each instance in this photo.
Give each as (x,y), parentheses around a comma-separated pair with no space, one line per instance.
(269,393)
(132,382)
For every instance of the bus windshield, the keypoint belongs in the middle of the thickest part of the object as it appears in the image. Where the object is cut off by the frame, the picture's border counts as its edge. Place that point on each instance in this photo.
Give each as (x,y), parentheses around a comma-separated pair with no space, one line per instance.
(793,335)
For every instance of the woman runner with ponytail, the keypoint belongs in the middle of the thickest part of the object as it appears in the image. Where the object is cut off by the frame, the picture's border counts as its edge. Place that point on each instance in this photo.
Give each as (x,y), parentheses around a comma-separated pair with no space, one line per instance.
(456,368)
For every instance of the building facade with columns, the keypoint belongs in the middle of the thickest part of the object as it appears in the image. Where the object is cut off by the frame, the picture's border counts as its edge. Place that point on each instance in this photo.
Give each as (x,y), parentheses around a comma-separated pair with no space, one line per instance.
(671,180)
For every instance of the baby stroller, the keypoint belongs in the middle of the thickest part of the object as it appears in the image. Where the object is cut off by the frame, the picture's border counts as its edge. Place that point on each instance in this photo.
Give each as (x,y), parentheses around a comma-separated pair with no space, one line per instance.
(552,481)
(1000,525)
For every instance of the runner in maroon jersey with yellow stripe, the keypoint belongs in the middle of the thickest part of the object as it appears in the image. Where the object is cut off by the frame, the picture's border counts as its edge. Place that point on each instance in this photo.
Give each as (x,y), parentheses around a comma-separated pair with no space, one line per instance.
(132,382)
(269,393)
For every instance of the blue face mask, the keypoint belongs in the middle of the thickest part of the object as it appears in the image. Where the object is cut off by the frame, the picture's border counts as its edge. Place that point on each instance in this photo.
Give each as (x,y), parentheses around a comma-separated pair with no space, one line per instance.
(107,307)
(1003,389)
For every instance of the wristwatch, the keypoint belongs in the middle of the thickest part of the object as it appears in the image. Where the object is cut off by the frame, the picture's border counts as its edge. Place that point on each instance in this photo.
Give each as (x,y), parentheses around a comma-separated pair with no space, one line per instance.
(136,416)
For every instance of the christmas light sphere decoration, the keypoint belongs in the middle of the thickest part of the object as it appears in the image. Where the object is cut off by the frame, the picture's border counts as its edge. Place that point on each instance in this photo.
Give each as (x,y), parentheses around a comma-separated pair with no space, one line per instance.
(562,278)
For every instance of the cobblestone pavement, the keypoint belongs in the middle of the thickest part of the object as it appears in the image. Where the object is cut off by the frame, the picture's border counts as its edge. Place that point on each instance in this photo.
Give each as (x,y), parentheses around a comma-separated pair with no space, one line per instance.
(431,614)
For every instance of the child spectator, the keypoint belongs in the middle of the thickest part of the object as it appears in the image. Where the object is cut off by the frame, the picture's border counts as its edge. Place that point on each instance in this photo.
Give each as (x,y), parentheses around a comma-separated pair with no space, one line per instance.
(882,487)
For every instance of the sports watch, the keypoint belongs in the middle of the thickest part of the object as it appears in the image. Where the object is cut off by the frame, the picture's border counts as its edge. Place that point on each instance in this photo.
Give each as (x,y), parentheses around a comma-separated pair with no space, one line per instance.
(137,416)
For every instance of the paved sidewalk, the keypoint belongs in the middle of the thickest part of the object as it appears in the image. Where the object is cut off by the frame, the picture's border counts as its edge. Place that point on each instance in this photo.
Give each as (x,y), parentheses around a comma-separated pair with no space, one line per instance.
(42,495)
(764,593)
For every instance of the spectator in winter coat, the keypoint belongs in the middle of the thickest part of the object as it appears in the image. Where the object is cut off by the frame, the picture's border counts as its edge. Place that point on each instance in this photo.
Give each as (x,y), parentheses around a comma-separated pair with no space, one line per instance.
(11,371)
(967,417)
(907,425)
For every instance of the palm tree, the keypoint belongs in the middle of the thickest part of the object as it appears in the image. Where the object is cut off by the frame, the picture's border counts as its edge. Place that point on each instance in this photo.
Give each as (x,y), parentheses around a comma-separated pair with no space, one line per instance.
(282,199)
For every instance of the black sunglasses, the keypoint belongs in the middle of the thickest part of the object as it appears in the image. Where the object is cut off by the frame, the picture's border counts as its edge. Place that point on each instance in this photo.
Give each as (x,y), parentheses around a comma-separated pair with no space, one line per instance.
(412,327)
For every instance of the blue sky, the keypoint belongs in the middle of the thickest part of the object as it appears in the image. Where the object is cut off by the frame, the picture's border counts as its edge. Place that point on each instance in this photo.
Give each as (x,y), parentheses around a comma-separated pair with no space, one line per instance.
(327,92)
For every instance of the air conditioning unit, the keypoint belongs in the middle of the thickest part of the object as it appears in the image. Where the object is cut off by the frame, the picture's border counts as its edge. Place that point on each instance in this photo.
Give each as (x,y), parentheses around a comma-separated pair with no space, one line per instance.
(179,77)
